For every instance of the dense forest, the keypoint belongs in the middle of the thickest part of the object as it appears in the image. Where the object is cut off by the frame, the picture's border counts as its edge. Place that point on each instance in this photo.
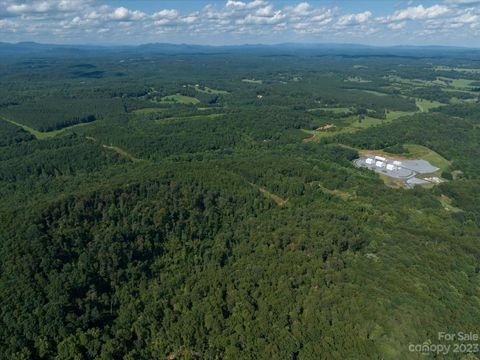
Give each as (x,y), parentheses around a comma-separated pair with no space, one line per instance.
(206,206)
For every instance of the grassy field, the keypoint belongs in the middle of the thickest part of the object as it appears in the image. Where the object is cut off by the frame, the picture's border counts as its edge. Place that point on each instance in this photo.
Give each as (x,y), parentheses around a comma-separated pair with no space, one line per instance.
(394,115)
(459,84)
(252,81)
(463,70)
(357,79)
(354,125)
(422,152)
(41,135)
(447,204)
(335,110)
(427,105)
(367,121)
(372,92)
(392,182)
(179,99)
(146,111)
(207,90)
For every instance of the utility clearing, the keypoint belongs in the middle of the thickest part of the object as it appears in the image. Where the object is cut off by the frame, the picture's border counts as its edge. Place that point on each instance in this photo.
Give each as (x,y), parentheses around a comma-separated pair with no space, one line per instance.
(42,135)
(277,199)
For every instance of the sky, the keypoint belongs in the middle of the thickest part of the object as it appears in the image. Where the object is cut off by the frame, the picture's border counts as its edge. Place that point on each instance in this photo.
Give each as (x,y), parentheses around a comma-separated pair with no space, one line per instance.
(220,22)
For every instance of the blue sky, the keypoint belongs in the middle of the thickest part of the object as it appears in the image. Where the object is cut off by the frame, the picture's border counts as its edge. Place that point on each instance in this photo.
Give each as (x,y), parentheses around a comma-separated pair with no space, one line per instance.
(217,22)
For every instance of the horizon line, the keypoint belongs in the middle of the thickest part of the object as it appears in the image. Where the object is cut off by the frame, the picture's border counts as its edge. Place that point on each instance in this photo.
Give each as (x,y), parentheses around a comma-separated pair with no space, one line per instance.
(244,44)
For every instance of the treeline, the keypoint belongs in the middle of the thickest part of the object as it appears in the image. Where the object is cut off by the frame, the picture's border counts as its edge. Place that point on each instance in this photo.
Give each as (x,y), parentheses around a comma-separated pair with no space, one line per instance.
(68,160)
(11,134)
(53,113)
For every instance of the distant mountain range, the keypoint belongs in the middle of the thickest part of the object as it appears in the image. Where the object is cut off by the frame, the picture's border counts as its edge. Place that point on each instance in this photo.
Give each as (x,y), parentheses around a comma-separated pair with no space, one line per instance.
(37,49)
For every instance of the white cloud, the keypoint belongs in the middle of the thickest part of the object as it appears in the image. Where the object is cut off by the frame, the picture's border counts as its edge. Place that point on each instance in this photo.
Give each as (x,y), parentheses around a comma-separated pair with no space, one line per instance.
(419,13)
(397,25)
(265,11)
(302,9)
(269,20)
(261,20)
(354,19)
(467,18)
(166,14)
(45,6)
(124,14)
(462,2)
(243,5)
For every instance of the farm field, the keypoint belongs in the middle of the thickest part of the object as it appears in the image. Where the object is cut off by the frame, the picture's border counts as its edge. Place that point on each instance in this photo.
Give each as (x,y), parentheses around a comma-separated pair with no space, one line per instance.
(180,99)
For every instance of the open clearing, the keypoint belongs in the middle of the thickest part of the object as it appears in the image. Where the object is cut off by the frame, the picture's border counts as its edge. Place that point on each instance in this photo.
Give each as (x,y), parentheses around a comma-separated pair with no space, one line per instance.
(357,79)
(356,122)
(335,110)
(179,99)
(372,92)
(122,152)
(394,115)
(447,204)
(427,105)
(116,149)
(277,199)
(434,158)
(252,81)
(207,90)
(354,125)
(460,84)
(344,195)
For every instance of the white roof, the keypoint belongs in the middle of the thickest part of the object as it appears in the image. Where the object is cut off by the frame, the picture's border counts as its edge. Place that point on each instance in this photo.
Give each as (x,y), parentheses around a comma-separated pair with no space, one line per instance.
(381,158)
(369,161)
(396,162)
(379,164)
(391,167)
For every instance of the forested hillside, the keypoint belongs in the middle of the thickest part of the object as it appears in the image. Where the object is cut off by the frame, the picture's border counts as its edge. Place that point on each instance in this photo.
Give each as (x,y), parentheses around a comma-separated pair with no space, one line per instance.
(206,206)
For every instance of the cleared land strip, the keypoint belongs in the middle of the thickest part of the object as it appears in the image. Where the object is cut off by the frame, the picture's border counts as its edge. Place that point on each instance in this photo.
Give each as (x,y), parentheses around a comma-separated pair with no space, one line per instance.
(42,135)
(122,152)
(277,199)
(118,150)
